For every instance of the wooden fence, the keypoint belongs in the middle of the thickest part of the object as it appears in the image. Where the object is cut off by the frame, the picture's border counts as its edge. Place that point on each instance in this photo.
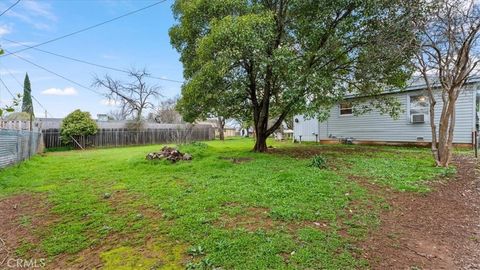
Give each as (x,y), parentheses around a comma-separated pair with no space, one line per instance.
(125,137)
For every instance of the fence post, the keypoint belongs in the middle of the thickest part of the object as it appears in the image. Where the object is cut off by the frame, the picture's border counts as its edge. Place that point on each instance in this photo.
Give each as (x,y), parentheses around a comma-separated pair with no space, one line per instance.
(77,143)
(476,143)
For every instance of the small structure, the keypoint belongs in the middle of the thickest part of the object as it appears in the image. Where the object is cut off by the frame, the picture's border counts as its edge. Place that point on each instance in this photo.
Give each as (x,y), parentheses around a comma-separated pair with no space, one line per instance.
(228,131)
(101,117)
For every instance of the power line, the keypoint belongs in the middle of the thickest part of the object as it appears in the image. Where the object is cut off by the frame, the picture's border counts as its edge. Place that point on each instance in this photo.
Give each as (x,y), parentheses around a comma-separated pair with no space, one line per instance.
(54,73)
(40,104)
(87,62)
(11,75)
(20,84)
(6,87)
(10,7)
(87,28)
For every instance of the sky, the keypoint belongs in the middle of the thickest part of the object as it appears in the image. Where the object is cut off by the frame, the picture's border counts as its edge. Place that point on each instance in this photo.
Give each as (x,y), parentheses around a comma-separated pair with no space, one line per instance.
(136,41)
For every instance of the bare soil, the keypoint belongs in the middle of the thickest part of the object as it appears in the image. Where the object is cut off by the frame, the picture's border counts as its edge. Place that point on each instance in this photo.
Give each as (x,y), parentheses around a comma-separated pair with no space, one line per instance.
(308,152)
(257,218)
(23,217)
(237,160)
(437,230)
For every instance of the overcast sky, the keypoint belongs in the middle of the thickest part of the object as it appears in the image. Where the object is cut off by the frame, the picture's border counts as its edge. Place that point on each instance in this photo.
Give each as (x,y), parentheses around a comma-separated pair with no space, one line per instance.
(139,40)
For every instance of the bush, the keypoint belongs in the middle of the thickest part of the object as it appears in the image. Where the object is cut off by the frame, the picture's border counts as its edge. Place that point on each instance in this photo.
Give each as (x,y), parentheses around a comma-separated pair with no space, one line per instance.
(77,123)
(319,162)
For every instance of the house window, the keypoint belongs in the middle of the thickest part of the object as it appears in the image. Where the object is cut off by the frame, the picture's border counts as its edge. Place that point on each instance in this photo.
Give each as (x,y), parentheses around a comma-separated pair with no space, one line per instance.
(419,109)
(346,108)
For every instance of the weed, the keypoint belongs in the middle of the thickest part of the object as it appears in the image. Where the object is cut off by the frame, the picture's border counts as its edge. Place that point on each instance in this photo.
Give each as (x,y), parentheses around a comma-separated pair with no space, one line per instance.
(319,161)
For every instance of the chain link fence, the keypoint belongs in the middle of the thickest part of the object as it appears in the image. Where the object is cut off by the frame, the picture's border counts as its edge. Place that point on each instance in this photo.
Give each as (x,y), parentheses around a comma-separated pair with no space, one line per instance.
(18,145)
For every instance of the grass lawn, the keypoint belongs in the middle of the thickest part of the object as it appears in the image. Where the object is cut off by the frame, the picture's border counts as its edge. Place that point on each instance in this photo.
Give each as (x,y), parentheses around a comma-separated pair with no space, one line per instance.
(228,207)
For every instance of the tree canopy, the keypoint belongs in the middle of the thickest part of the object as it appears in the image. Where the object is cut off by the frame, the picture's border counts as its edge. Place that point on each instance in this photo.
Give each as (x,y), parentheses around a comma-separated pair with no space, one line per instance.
(447,58)
(27,105)
(279,57)
(10,108)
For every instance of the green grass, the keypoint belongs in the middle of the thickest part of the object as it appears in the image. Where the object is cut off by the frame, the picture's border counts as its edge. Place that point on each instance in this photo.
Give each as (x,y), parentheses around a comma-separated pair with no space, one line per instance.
(269,212)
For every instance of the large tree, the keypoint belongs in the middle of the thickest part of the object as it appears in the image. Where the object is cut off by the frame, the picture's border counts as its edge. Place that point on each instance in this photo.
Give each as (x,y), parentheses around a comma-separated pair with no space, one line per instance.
(447,57)
(27,105)
(288,56)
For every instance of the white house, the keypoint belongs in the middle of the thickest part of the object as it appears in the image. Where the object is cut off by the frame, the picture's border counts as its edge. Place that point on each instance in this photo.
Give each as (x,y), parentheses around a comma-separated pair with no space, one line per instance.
(411,127)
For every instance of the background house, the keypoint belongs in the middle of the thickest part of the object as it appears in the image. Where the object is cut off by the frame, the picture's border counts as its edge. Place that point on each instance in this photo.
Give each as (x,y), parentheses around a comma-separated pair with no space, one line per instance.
(229,130)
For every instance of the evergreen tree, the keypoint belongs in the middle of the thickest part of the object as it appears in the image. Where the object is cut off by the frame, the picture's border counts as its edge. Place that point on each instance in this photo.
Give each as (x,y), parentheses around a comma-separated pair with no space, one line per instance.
(27,105)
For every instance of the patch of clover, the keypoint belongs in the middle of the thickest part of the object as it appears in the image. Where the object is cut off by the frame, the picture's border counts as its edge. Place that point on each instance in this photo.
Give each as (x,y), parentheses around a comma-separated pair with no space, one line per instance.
(4,252)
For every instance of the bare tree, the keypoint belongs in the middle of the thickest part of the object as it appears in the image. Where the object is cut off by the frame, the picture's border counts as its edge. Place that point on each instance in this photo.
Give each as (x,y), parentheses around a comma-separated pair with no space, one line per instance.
(448,55)
(122,113)
(135,96)
(166,113)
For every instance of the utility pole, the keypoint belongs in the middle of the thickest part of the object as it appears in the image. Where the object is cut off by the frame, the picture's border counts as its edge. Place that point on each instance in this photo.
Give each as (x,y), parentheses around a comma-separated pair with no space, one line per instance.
(30,137)
(31,119)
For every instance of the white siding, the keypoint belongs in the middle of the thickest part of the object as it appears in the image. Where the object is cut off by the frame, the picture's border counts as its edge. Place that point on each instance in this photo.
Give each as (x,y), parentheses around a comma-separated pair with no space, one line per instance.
(305,128)
(374,126)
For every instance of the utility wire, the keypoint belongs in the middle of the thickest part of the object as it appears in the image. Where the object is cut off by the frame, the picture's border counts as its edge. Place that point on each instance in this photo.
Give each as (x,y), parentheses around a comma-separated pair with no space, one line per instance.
(6,87)
(54,73)
(86,28)
(87,62)
(20,84)
(40,104)
(11,75)
(10,7)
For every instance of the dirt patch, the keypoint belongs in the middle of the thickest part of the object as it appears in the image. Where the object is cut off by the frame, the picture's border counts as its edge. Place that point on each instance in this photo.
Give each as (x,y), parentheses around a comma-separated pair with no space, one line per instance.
(438,230)
(308,152)
(22,217)
(237,160)
(257,218)
(124,249)
(251,219)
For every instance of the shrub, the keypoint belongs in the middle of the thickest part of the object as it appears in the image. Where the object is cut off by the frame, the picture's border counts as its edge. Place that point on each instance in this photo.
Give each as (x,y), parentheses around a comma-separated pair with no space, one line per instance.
(77,123)
(135,125)
(319,162)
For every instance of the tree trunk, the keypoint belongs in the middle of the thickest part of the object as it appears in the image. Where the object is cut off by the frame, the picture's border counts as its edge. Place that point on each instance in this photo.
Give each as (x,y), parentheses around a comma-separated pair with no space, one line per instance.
(260,142)
(221,128)
(449,145)
(433,126)
(260,123)
(445,134)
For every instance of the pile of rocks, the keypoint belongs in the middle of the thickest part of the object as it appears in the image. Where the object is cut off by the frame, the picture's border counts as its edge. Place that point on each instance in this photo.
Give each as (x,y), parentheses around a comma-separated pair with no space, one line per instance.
(169,153)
